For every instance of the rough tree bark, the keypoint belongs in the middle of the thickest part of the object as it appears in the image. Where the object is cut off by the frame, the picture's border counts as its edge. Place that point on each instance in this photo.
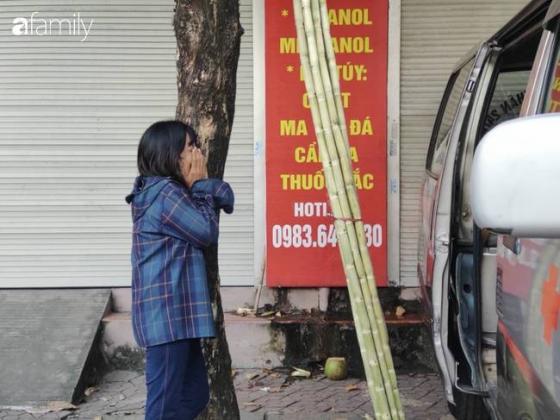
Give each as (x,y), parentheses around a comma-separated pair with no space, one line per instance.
(208,36)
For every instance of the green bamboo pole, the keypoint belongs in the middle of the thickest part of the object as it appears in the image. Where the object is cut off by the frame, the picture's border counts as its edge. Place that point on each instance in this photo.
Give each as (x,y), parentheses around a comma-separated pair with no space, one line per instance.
(327,112)
(340,143)
(376,313)
(322,37)
(332,171)
(320,134)
(333,71)
(323,109)
(380,320)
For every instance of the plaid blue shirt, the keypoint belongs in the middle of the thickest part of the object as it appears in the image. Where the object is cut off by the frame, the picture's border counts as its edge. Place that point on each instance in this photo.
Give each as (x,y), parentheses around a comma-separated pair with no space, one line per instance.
(171,226)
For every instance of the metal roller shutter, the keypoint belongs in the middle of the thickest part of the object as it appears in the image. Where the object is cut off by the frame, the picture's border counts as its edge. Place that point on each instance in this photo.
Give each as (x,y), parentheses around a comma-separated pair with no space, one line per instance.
(71,115)
(236,239)
(434,36)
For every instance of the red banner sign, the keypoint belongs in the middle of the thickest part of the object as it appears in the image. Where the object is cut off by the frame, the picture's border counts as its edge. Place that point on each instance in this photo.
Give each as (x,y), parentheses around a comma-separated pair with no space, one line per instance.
(301,240)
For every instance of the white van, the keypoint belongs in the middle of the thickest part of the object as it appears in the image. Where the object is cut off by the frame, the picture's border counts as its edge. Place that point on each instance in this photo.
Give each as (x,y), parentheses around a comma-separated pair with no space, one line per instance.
(492,288)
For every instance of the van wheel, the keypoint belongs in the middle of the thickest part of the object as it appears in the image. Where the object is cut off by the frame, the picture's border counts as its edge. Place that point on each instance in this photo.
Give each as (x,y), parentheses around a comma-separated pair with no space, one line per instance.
(468,406)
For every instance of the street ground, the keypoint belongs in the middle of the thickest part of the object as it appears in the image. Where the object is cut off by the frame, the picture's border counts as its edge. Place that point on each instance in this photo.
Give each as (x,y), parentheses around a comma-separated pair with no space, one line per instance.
(262,394)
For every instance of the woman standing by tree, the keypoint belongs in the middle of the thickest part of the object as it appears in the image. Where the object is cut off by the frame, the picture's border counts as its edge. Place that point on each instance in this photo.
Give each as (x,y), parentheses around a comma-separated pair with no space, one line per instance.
(175,216)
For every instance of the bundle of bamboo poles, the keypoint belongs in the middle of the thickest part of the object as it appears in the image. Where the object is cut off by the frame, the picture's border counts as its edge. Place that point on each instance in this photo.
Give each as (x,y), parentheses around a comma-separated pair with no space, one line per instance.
(323,88)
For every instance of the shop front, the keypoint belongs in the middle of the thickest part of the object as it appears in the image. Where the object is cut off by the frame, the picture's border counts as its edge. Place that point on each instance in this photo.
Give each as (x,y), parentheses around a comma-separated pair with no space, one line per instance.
(81,80)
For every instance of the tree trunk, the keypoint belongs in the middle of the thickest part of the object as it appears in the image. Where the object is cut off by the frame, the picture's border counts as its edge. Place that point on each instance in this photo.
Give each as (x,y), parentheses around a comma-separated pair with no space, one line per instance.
(208,36)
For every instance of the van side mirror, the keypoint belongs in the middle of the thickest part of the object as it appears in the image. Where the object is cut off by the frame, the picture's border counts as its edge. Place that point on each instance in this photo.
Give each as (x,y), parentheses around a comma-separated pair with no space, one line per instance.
(515,178)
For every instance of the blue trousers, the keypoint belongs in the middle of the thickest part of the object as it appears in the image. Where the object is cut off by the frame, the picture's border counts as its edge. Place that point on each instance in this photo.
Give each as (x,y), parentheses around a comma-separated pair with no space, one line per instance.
(176,380)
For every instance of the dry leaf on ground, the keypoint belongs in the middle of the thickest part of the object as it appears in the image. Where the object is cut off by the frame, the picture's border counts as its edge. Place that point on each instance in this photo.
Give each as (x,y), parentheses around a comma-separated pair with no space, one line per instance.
(301,373)
(244,311)
(90,391)
(60,406)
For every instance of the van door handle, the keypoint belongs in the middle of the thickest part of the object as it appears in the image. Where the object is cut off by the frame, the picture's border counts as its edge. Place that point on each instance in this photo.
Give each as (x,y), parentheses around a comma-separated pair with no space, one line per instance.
(442,242)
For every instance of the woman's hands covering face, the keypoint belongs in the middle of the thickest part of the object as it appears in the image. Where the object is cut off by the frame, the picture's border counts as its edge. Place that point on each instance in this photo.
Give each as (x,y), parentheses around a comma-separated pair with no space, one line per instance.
(193,165)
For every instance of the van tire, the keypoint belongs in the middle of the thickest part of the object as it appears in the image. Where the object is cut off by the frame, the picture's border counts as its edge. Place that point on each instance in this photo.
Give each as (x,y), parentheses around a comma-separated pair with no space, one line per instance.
(468,406)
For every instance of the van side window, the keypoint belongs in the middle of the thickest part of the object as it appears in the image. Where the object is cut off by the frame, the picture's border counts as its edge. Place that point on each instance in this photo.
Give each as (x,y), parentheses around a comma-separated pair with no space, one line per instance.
(444,121)
(552,101)
(506,99)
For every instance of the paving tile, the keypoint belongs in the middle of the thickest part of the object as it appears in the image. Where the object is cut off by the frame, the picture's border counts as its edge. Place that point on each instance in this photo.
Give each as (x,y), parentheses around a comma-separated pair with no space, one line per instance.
(122,394)
(121,376)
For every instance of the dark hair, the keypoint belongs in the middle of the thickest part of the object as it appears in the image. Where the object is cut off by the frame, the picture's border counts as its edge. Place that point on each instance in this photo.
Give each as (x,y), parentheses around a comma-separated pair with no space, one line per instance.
(160,148)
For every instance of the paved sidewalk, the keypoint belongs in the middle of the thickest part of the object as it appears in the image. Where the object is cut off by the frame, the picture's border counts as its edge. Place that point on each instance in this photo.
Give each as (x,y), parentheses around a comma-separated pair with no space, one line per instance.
(274,392)
(262,394)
